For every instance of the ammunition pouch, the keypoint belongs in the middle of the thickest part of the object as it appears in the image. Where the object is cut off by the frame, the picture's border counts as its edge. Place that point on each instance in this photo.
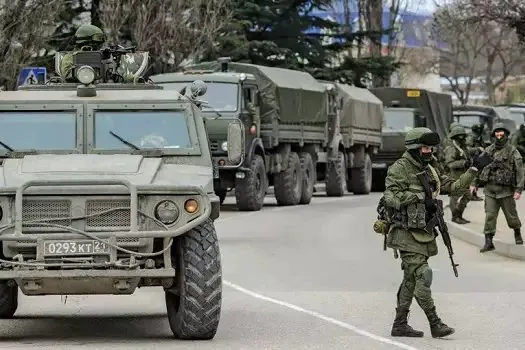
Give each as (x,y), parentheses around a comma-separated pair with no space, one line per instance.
(416,216)
(498,173)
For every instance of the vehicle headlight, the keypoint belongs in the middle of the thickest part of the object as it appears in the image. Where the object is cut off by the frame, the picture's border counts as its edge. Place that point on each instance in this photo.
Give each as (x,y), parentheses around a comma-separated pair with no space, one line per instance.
(86,75)
(166,212)
(224,146)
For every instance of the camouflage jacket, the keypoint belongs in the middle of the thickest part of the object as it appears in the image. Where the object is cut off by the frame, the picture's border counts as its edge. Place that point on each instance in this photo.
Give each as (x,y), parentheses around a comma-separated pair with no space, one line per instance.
(457,159)
(404,190)
(510,159)
(518,141)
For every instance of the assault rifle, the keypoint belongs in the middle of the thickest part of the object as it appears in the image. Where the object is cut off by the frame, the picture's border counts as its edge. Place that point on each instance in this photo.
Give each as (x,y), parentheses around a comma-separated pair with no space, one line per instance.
(437,220)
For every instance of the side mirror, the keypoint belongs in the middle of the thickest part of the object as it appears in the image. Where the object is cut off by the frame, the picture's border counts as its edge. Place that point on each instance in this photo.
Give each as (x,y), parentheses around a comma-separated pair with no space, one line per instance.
(236,142)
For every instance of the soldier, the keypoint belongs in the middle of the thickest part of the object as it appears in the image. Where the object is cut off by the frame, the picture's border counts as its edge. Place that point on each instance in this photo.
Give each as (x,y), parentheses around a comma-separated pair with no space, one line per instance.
(87,36)
(518,140)
(405,198)
(476,145)
(457,160)
(446,143)
(503,180)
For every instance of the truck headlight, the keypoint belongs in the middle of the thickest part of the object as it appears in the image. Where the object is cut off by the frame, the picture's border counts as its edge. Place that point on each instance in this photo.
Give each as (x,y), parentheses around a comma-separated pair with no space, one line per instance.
(224,146)
(86,75)
(166,212)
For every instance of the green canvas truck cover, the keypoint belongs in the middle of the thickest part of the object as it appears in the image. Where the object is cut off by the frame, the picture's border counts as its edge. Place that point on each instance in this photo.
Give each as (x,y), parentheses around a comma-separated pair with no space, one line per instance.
(437,107)
(361,108)
(289,96)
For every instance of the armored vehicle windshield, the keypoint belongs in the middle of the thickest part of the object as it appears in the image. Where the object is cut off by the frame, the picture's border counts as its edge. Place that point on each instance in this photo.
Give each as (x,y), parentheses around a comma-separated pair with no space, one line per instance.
(399,119)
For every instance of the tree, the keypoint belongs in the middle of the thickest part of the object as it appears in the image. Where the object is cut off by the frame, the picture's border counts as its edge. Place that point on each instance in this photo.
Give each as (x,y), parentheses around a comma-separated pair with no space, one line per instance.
(171,30)
(26,26)
(483,50)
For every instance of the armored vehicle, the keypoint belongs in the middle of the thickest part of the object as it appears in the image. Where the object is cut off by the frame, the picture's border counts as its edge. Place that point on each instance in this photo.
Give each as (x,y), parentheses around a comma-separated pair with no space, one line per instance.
(108,187)
(404,110)
(293,131)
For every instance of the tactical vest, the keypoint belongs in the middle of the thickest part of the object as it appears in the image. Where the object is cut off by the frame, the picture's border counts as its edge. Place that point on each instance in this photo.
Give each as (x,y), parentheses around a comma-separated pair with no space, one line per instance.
(414,215)
(501,170)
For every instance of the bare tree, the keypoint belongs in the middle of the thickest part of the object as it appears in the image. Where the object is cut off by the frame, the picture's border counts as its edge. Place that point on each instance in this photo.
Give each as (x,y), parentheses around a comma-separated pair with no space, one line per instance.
(25,26)
(171,30)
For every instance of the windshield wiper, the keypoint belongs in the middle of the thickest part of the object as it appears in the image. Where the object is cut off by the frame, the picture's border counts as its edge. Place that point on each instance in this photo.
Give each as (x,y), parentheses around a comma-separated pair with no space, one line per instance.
(124,141)
(10,149)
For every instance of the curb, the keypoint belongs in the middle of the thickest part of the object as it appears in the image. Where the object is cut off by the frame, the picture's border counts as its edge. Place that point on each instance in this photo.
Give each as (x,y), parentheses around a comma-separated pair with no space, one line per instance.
(468,235)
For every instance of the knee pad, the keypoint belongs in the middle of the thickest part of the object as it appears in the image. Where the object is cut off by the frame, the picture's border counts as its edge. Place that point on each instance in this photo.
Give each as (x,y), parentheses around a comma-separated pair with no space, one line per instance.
(424,273)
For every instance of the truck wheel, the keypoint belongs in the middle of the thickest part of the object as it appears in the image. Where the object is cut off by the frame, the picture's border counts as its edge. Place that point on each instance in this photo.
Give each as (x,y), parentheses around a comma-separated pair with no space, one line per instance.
(309,177)
(288,183)
(221,194)
(362,177)
(8,300)
(250,191)
(194,307)
(336,177)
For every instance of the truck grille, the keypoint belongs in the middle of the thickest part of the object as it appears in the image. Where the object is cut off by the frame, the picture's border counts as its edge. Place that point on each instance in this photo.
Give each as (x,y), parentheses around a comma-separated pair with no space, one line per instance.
(36,209)
(214,146)
(119,219)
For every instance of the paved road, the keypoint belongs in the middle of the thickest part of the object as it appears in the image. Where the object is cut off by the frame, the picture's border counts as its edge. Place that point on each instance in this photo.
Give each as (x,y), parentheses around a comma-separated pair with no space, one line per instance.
(307,277)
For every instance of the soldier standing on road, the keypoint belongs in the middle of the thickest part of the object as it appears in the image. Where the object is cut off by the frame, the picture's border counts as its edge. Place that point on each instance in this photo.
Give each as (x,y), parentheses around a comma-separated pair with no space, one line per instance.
(458,160)
(518,140)
(446,143)
(476,145)
(404,196)
(503,179)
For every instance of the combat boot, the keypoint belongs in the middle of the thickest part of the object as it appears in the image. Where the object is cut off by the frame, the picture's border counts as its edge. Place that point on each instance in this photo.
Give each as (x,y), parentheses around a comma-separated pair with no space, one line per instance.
(400,328)
(489,245)
(457,217)
(517,236)
(437,328)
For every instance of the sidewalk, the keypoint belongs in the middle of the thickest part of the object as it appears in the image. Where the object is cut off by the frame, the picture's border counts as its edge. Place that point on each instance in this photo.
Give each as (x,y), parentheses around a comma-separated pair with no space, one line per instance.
(473,232)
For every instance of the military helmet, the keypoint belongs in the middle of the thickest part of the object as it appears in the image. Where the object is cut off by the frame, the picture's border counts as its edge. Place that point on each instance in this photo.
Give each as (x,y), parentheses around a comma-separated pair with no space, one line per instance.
(89,33)
(419,137)
(457,131)
(500,126)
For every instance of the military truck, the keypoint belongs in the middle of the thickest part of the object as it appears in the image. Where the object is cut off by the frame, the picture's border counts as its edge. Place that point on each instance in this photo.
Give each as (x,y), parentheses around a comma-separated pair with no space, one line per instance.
(405,109)
(295,133)
(108,187)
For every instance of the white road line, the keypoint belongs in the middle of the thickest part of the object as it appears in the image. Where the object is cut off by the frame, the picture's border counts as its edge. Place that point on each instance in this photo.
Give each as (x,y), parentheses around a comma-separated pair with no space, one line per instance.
(320,316)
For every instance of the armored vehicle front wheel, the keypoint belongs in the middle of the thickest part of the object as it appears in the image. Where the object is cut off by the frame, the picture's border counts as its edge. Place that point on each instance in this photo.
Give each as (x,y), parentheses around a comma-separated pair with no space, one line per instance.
(251,190)
(8,300)
(194,301)
(336,176)
(288,184)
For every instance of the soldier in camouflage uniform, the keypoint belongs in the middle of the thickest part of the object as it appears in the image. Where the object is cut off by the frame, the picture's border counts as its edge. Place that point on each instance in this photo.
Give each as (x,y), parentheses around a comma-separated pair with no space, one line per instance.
(476,145)
(518,140)
(503,179)
(405,198)
(446,143)
(87,37)
(457,160)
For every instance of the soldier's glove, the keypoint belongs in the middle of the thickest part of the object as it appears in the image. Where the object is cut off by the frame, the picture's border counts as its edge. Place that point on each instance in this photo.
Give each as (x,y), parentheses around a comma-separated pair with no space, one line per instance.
(482,161)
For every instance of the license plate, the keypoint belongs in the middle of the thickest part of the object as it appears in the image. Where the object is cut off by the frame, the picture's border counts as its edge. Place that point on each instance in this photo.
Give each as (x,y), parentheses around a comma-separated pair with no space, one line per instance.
(413,93)
(378,165)
(75,247)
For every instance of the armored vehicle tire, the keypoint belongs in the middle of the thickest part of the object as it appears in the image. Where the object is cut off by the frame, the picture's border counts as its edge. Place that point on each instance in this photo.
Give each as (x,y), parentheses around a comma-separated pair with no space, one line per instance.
(194,306)
(8,300)
(309,177)
(288,184)
(336,176)
(221,194)
(250,191)
(361,178)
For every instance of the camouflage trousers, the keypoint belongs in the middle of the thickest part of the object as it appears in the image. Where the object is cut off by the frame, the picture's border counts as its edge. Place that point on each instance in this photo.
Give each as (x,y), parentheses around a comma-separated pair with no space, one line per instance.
(459,203)
(492,207)
(417,279)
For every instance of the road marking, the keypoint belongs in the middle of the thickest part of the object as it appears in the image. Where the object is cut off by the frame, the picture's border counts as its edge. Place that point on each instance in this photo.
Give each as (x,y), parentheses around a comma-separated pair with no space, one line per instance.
(462,227)
(320,316)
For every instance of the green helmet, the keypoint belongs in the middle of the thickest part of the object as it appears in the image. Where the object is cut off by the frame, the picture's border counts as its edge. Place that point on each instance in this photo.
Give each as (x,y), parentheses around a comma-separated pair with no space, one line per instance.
(457,130)
(500,126)
(88,33)
(419,137)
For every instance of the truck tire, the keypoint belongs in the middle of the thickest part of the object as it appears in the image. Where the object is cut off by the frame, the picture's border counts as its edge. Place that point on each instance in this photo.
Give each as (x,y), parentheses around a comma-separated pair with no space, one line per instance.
(221,194)
(250,191)
(309,177)
(8,300)
(336,177)
(288,184)
(194,307)
(362,177)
